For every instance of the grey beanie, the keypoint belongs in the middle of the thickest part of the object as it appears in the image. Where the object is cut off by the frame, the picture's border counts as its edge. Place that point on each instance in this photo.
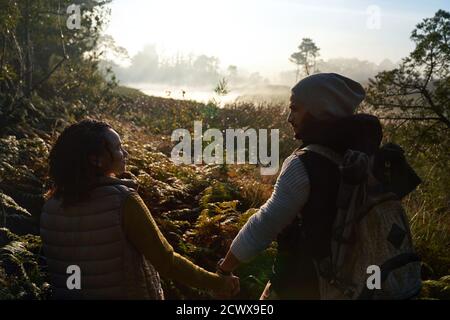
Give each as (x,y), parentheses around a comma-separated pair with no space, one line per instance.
(328,96)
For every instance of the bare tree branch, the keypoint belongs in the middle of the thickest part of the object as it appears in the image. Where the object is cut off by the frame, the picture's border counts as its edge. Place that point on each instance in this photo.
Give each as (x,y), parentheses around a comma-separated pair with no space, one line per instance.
(442,118)
(2,61)
(412,118)
(49,74)
(394,105)
(430,71)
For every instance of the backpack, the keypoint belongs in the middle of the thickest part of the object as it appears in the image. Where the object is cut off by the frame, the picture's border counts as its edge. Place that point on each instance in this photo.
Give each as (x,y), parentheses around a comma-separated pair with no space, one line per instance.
(372,254)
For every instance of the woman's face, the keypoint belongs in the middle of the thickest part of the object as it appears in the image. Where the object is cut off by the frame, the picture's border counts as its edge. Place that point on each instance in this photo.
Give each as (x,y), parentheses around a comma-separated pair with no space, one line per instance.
(114,161)
(297,115)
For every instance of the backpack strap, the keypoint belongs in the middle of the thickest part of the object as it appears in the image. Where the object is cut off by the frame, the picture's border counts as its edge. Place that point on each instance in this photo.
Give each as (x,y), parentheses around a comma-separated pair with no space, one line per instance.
(324,152)
(374,201)
(386,268)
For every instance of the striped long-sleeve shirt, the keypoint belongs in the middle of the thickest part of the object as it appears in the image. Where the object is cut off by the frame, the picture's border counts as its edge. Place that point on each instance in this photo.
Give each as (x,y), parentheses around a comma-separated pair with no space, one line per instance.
(290,194)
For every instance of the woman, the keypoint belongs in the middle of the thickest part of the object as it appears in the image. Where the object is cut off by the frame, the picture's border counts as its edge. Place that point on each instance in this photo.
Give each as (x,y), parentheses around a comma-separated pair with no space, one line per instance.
(99,224)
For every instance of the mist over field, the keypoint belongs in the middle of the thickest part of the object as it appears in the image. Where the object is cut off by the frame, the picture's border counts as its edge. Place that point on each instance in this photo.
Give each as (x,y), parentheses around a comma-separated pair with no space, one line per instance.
(194,77)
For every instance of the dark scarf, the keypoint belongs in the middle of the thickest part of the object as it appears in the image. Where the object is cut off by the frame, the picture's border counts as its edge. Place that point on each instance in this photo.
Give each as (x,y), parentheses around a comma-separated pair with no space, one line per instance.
(360,132)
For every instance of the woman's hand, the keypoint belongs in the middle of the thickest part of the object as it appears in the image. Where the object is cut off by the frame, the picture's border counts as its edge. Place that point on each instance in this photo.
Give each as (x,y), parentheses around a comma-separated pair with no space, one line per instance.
(225,268)
(231,287)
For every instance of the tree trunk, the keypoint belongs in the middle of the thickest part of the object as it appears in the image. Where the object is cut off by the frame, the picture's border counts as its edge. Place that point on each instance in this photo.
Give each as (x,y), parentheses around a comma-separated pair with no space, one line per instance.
(28,53)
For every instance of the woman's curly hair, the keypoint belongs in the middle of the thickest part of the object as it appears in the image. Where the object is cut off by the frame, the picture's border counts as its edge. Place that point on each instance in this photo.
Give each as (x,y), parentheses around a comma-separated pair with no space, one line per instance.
(70,169)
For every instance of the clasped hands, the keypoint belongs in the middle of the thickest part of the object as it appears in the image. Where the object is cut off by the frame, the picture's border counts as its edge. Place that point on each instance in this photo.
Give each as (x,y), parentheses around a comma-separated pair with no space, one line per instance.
(232,285)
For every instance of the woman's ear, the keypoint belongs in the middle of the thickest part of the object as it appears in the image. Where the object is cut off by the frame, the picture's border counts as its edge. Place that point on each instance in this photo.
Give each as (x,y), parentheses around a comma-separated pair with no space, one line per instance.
(95,161)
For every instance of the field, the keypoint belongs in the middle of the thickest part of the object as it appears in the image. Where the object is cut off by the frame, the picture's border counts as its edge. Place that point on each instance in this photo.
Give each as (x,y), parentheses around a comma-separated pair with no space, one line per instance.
(199,208)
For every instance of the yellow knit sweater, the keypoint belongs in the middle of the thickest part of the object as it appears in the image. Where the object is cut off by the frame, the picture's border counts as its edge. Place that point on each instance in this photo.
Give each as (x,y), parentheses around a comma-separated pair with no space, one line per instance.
(144,234)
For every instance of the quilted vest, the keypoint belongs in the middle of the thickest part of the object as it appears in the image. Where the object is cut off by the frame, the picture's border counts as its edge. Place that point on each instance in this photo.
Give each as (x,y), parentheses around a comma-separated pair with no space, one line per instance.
(90,236)
(308,236)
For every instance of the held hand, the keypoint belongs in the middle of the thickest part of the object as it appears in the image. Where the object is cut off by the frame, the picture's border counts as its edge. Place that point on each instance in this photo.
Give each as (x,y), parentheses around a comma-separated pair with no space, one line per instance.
(234,285)
(225,267)
(230,289)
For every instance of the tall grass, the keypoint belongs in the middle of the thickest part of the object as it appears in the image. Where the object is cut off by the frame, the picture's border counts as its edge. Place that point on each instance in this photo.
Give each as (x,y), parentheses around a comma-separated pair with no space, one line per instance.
(201,208)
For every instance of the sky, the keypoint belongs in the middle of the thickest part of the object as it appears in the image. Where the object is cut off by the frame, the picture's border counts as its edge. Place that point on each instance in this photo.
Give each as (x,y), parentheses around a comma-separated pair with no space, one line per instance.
(260,35)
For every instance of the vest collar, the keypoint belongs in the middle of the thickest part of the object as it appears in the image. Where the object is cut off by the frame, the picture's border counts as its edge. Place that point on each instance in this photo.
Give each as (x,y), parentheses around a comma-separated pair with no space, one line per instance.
(325,152)
(106,181)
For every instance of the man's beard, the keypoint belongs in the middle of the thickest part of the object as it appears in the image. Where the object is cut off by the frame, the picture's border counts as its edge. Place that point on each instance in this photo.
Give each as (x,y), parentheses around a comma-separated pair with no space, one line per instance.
(298,133)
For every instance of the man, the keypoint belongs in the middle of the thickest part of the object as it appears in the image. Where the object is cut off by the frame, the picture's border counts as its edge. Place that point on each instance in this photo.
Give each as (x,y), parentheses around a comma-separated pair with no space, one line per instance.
(302,207)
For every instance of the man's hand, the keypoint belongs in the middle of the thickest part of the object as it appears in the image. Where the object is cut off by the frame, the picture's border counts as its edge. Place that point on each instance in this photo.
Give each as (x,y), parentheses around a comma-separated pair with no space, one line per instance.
(231,288)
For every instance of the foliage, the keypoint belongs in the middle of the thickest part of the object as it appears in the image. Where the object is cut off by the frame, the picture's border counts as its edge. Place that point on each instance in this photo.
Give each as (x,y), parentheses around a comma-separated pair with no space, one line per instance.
(419,90)
(222,87)
(21,274)
(413,100)
(199,209)
(42,59)
(305,57)
(436,289)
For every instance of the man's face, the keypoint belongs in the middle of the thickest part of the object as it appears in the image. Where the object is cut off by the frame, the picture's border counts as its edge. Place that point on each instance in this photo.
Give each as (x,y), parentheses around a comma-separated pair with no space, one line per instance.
(297,115)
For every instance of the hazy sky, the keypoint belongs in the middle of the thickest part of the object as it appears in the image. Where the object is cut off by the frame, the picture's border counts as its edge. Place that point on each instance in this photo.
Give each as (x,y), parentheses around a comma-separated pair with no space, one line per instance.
(260,35)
